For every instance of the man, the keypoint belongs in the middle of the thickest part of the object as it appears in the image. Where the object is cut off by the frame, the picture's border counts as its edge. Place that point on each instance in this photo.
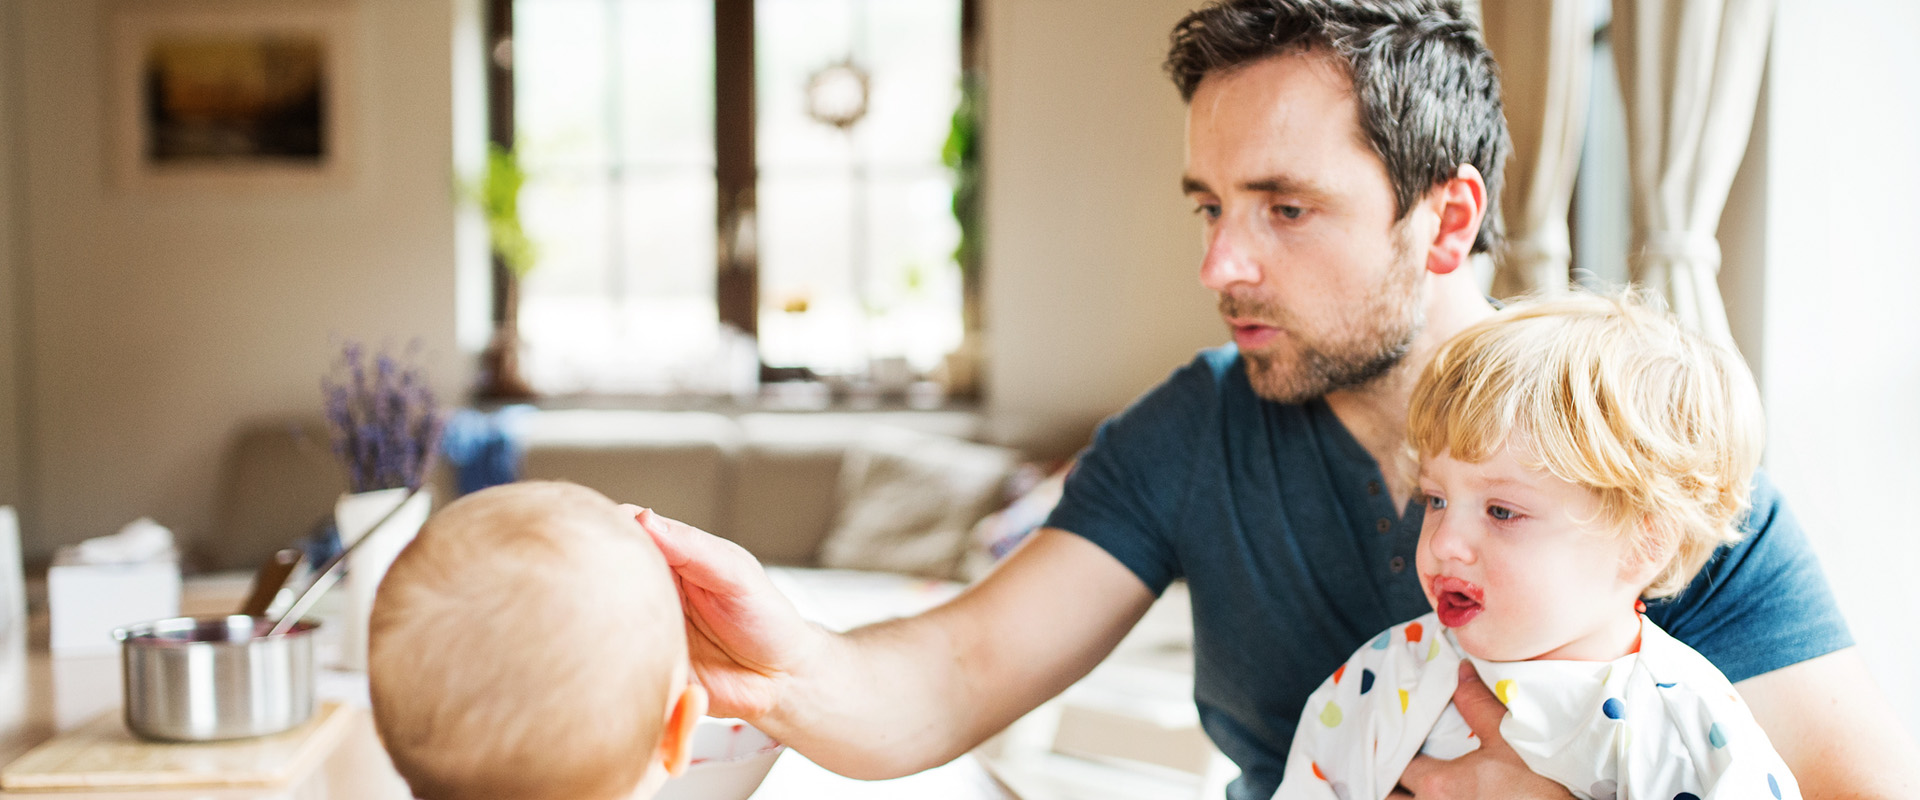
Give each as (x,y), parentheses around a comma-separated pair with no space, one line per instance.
(1344,158)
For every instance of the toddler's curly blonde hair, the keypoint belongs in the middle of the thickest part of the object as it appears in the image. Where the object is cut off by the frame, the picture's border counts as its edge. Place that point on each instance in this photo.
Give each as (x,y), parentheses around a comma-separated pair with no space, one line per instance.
(1606,393)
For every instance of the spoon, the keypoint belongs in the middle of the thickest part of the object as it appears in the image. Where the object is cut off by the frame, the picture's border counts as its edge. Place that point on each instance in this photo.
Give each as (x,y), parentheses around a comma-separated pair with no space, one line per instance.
(267,582)
(330,573)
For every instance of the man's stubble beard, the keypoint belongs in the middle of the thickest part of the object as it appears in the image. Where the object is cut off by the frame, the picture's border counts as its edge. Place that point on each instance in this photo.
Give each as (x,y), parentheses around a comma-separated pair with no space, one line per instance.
(1358,347)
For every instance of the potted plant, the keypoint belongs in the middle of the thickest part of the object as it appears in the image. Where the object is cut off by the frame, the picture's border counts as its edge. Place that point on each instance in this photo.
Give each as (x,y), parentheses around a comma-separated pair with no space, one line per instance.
(497,193)
(385,425)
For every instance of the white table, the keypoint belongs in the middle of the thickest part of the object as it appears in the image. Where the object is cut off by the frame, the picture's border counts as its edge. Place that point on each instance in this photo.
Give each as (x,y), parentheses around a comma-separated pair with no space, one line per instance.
(1128,731)
(41,695)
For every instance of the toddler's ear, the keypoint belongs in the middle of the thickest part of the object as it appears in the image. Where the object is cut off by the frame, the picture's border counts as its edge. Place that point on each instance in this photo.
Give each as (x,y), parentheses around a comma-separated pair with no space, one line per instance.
(676,739)
(1648,557)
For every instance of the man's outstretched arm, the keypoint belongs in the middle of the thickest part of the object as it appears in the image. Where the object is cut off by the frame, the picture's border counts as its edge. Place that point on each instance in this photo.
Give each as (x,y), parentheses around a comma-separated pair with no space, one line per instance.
(900,696)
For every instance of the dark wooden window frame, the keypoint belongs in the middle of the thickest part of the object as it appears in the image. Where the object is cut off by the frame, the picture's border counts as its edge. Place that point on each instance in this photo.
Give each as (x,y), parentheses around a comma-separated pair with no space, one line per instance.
(737,273)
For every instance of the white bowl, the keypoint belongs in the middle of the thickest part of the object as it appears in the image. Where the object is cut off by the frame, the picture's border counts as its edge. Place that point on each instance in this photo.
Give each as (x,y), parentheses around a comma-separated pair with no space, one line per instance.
(730,759)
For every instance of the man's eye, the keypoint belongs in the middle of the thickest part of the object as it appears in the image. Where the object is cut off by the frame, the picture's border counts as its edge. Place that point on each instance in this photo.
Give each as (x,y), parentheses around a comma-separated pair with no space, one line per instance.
(1290,212)
(1500,512)
(1207,212)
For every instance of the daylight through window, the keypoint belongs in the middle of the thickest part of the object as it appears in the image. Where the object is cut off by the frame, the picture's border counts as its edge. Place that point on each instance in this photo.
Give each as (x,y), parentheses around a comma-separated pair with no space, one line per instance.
(851,224)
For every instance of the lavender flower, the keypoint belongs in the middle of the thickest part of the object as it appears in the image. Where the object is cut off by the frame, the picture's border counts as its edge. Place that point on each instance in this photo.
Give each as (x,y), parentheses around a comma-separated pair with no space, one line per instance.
(385,421)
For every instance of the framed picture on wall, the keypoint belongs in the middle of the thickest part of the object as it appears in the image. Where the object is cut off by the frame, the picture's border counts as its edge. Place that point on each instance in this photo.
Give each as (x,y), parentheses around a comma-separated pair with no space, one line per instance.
(214,94)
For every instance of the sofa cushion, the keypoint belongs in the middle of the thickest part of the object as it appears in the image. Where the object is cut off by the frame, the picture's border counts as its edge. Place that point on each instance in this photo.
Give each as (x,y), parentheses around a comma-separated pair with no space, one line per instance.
(908,500)
(781,501)
(673,462)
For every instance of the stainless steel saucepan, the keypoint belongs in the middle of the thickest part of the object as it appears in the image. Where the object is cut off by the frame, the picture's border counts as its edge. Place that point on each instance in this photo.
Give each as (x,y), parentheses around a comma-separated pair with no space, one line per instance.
(202,679)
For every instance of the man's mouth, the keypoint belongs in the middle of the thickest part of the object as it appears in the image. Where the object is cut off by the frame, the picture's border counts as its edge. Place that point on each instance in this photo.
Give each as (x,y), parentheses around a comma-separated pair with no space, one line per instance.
(1255,322)
(1251,335)
(1456,601)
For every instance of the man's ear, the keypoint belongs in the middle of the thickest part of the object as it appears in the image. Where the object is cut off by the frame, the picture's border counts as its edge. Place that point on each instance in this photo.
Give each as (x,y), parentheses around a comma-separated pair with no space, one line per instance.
(1460,204)
(676,739)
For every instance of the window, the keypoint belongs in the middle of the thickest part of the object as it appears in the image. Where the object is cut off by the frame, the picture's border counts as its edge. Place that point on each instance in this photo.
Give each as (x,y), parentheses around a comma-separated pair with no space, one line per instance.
(1601,223)
(643,206)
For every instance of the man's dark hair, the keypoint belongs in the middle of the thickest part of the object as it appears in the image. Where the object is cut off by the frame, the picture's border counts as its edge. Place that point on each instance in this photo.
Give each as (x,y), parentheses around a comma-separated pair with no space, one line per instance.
(1428,90)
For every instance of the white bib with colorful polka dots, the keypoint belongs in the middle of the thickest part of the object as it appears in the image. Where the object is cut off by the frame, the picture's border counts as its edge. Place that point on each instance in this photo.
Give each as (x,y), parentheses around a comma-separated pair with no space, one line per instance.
(1660,724)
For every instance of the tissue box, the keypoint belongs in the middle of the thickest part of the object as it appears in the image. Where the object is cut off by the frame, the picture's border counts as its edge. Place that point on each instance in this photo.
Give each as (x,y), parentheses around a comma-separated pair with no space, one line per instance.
(85,602)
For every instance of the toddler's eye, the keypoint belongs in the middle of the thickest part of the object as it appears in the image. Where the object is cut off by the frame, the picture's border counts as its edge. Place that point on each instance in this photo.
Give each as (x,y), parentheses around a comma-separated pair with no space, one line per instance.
(1436,503)
(1500,512)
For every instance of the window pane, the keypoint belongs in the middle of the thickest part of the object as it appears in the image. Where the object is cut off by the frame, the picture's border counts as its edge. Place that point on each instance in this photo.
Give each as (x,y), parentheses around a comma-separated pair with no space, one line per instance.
(650,327)
(808,312)
(915,284)
(1602,217)
(615,130)
(668,234)
(913,49)
(565,211)
(855,234)
(857,222)
(645,345)
(560,81)
(793,40)
(666,74)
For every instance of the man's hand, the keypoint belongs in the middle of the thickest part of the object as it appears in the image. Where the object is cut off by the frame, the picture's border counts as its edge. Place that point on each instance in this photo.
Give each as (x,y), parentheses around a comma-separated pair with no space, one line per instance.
(1493,771)
(743,636)
(899,696)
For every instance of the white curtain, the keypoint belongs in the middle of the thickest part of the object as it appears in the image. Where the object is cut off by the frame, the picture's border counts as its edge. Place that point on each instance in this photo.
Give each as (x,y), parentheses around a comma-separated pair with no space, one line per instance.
(1545,51)
(1690,76)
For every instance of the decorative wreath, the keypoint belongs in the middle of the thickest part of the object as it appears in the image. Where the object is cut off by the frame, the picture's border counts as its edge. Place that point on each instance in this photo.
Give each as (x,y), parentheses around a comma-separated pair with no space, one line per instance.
(837,94)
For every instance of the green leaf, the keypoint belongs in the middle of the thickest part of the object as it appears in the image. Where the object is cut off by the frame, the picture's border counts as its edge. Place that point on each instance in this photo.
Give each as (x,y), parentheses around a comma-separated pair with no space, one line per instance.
(497,193)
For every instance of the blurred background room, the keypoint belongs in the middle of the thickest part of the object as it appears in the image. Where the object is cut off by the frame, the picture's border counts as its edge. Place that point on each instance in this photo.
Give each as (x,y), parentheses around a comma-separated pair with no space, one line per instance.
(793,217)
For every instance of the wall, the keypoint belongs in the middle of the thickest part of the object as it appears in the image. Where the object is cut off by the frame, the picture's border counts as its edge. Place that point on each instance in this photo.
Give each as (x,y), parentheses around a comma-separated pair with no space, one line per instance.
(1092,278)
(9,291)
(152,328)
(156,325)
(1839,349)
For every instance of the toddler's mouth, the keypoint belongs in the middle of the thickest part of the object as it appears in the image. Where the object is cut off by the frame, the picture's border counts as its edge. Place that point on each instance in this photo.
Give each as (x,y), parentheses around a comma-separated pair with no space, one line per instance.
(1456,601)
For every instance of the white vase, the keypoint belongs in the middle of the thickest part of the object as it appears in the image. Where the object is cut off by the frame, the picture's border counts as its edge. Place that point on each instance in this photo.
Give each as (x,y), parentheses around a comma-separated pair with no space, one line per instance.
(355,515)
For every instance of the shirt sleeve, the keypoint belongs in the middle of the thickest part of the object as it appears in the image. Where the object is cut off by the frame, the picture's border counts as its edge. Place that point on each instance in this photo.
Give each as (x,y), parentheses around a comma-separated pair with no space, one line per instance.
(1762,603)
(1126,490)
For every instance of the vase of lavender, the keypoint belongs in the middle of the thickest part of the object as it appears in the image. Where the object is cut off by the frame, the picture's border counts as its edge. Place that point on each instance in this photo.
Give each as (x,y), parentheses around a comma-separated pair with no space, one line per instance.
(386,426)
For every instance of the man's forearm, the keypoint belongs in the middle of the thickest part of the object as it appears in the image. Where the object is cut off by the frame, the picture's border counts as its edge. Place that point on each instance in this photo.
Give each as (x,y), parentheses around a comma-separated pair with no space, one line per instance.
(879,702)
(905,695)
(1834,728)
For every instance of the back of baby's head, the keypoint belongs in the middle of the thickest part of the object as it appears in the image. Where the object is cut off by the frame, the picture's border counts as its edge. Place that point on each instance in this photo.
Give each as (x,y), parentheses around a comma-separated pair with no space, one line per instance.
(525,645)
(1604,392)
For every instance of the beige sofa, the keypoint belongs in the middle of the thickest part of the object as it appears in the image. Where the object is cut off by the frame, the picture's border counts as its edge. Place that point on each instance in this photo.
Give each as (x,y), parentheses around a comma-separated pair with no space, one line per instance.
(777,483)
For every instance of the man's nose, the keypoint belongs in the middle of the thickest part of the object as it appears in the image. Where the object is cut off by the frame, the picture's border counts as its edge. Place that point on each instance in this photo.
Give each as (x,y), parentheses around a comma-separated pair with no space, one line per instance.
(1228,260)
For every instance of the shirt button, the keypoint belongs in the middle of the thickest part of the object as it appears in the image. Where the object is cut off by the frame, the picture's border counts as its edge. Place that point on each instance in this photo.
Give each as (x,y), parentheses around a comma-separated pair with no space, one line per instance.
(1373,487)
(1383,525)
(1398,565)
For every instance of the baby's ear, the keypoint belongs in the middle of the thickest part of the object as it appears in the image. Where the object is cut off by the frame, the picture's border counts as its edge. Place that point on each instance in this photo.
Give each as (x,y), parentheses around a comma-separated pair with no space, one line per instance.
(676,738)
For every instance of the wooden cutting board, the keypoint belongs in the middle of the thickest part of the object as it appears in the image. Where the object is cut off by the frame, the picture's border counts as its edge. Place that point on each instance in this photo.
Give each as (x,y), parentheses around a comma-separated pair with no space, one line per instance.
(103,755)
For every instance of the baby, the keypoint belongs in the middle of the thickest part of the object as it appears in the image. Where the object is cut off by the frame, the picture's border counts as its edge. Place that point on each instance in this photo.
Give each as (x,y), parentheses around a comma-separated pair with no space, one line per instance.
(530,644)
(1576,455)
